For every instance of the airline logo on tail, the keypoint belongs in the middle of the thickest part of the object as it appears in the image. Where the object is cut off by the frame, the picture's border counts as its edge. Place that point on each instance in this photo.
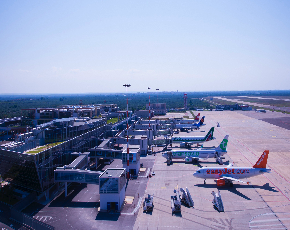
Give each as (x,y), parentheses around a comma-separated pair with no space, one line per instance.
(223,145)
(197,117)
(262,162)
(199,123)
(209,135)
(201,120)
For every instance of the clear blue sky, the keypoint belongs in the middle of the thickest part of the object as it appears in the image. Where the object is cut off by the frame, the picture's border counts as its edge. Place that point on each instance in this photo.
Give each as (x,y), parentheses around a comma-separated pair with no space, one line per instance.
(97,46)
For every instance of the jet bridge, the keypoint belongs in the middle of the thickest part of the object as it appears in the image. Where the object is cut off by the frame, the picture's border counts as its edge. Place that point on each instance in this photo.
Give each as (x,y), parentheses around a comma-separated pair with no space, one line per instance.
(163,132)
(62,174)
(105,153)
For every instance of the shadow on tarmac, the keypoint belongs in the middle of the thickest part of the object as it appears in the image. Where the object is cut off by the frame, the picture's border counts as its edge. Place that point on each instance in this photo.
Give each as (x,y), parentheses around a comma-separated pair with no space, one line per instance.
(33,208)
(266,187)
(148,212)
(231,189)
(109,216)
(235,191)
(205,223)
(63,201)
(177,214)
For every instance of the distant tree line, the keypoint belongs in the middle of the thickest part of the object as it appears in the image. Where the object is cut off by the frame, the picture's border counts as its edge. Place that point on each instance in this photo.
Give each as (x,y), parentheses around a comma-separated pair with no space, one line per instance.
(11,105)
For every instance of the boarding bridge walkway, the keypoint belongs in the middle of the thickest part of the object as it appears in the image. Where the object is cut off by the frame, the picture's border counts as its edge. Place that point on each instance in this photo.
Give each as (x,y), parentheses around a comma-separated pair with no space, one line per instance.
(76,175)
(74,171)
(105,153)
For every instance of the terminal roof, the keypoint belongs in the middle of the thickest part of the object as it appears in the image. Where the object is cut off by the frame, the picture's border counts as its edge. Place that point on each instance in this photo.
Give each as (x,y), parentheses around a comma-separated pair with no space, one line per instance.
(113,173)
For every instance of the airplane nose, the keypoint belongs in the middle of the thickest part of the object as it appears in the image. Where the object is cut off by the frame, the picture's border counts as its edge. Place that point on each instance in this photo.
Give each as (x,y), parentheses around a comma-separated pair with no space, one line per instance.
(196,174)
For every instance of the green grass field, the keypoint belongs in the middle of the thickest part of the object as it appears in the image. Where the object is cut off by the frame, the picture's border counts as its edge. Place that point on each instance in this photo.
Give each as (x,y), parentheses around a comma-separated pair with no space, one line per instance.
(112,120)
(42,148)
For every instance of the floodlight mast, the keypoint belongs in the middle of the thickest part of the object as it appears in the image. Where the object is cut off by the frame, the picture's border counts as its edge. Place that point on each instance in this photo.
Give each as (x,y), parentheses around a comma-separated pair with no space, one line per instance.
(149,108)
(157,96)
(128,174)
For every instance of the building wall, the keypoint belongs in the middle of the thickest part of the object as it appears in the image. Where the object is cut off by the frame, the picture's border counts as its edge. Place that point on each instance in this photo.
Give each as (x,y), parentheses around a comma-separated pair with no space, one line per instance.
(144,113)
(105,198)
(135,165)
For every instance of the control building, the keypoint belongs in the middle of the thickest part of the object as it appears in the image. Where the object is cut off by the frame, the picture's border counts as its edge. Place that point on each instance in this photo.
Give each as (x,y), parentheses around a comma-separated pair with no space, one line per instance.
(134,159)
(112,189)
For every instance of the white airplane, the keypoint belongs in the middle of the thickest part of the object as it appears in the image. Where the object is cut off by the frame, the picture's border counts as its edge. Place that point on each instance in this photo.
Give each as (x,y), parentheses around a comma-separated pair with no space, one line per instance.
(199,153)
(190,126)
(189,121)
(194,139)
(227,175)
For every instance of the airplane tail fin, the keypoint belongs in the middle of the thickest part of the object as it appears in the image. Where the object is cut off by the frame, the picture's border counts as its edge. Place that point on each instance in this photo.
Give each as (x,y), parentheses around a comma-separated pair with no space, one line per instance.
(223,145)
(201,120)
(262,162)
(209,135)
(197,117)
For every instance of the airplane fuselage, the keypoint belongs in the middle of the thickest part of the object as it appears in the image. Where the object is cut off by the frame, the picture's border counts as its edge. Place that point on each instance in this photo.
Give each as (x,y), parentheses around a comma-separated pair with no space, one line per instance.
(195,153)
(191,121)
(186,126)
(234,172)
(188,139)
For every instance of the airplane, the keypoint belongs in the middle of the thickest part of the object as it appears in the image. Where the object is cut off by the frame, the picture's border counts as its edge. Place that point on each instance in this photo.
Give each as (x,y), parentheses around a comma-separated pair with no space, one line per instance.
(194,139)
(127,85)
(199,153)
(188,121)
(229,174)
(190,126)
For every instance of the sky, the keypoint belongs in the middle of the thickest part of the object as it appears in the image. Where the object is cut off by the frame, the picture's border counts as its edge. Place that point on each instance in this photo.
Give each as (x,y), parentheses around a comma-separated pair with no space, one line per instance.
(51,47)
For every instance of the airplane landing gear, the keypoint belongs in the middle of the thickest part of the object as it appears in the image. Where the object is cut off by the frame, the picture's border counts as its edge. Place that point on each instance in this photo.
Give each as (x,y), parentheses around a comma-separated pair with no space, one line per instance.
(231,184)
(204,182)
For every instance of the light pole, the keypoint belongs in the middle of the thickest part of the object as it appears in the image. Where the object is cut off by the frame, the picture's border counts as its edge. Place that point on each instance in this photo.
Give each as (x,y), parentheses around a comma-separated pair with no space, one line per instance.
(157,95)
(149,108)
(128,174)
(149,129)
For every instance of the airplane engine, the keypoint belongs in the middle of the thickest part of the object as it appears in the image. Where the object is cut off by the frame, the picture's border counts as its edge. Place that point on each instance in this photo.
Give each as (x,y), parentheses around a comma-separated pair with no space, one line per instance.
(188,159)
(220,182)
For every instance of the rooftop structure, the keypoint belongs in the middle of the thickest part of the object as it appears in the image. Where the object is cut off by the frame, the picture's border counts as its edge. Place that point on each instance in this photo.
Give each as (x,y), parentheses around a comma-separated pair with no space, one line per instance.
(157,108)
(113,173)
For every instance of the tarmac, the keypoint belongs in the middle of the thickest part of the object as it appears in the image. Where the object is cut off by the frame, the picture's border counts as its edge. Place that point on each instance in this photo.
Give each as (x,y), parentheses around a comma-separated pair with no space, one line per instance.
(263,204)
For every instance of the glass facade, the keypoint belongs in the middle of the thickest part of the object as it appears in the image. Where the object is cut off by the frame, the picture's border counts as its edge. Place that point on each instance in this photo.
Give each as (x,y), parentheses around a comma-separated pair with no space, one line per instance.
(80,176)
(69,176)
(20,170)
(133,157)
(105,153)
(35,171)
(92,178)
(109,185)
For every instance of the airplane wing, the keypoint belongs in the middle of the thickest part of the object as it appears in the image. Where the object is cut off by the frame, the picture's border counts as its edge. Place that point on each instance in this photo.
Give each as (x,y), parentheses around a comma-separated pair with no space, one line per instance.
(233,179)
